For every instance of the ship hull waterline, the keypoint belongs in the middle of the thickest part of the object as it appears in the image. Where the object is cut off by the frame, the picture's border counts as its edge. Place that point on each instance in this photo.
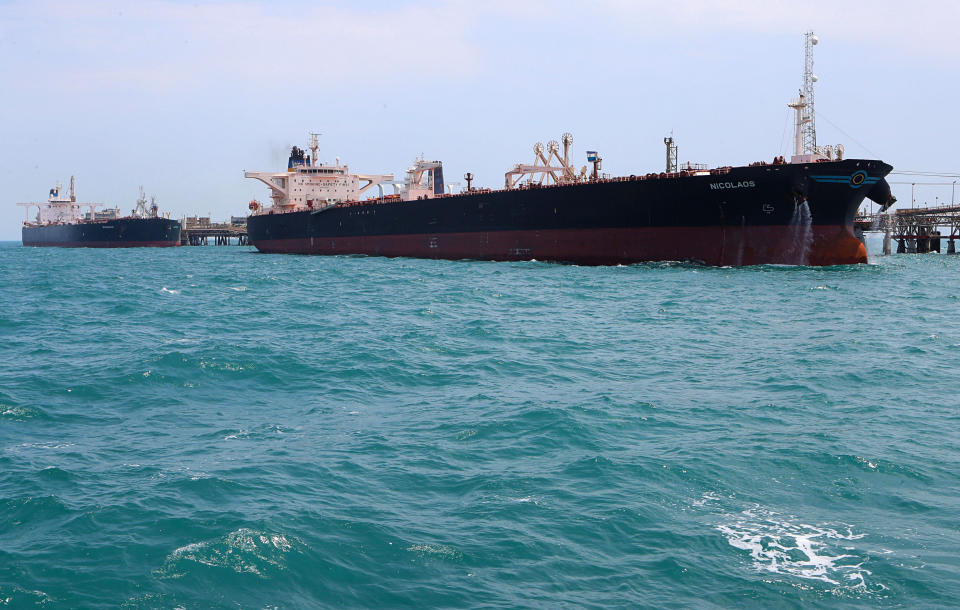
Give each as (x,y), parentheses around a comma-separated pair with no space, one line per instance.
(768,214)
(102,244)
(116,233)
(717,246)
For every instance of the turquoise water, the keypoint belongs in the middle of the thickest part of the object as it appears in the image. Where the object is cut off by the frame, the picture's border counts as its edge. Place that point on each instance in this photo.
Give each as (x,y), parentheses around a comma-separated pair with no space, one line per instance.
(210,427)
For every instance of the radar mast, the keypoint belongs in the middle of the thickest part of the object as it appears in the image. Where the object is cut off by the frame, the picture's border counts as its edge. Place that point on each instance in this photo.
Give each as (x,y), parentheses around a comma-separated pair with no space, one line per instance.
(809,128)
(314,145)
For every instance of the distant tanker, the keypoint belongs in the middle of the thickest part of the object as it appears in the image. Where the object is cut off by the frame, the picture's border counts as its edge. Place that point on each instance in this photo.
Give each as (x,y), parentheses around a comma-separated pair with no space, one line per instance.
(60,222)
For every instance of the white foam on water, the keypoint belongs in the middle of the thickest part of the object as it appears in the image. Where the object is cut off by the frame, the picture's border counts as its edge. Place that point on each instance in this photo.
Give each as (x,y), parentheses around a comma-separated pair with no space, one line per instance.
(465,434)
(245,551)
(22,412)
(783,545)
(43,600)
(706,497)
(48,445)
(168,291)
(188,548)
(437,550)
(222,365)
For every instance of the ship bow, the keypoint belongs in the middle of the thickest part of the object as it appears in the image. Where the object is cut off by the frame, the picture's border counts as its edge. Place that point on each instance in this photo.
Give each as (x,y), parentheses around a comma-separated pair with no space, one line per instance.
(835,192)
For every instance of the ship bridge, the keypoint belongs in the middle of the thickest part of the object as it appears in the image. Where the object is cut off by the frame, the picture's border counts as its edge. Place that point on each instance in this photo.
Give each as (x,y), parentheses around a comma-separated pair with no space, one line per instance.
(309,185)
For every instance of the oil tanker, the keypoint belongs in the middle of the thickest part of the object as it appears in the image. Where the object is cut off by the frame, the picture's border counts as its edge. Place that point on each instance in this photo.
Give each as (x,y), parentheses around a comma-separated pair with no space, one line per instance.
(799,211)
(61,222)
(796,211)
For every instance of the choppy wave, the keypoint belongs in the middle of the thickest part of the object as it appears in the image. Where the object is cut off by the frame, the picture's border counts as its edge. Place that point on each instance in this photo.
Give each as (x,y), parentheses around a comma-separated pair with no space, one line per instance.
(14,413)
(207,427)
(14,596)
(440,551)
(244,551)
(782,544)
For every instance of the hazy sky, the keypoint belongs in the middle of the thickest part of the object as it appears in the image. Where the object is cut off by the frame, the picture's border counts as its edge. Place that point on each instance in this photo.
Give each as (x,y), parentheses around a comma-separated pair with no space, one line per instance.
(181,97)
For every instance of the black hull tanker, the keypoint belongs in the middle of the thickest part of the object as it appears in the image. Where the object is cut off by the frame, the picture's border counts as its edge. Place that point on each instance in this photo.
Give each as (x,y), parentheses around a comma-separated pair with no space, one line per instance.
(115,233)
(60,223)
(789,213)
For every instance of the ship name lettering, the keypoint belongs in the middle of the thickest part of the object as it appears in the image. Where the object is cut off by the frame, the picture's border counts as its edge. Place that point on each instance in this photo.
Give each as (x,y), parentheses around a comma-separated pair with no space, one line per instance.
(745,184)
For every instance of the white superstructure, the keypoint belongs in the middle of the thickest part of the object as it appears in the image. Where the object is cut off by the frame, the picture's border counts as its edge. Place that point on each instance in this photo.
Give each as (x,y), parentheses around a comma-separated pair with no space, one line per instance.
(310,185)
(63,209)
(424,181)
(59,208)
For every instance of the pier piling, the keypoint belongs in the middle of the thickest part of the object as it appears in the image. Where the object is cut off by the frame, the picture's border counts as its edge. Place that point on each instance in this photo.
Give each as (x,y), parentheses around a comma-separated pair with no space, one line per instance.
(916,230)
(197,231)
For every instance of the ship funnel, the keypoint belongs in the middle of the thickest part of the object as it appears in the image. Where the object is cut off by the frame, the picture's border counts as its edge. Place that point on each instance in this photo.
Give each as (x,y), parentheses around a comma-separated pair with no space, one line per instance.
(438,179)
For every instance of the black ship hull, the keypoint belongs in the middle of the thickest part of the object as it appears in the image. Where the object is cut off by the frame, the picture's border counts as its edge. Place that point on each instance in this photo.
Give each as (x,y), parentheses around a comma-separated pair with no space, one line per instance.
(114,233)
(783,213)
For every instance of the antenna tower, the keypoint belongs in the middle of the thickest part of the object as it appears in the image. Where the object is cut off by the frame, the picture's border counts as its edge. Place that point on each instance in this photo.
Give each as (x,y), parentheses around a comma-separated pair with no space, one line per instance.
(314,145)
(810,40)
(671,154)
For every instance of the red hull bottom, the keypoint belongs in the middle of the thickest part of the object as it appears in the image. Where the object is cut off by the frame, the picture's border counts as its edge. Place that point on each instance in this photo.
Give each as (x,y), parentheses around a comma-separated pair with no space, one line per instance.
(104,244)
(720,246)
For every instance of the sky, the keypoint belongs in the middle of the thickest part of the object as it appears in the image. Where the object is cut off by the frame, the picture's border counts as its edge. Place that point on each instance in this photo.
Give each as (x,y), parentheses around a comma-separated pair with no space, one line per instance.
(182,97)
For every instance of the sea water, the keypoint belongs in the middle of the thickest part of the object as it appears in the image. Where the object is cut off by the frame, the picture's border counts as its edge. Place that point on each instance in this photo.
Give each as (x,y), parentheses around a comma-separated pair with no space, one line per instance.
(208,427)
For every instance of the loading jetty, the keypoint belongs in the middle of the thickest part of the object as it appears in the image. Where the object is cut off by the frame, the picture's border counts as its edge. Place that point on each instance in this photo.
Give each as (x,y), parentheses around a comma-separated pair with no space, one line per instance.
(915,230)
(199,231)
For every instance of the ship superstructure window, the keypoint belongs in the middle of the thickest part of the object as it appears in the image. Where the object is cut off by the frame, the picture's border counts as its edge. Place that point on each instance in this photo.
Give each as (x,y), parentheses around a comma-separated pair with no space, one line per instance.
(321,171)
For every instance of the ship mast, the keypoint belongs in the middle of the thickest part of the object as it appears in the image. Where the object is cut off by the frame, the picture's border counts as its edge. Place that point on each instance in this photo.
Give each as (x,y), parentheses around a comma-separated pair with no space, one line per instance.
(798,106)
(671,154)
(805,147)
(809,78)
(314,146)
